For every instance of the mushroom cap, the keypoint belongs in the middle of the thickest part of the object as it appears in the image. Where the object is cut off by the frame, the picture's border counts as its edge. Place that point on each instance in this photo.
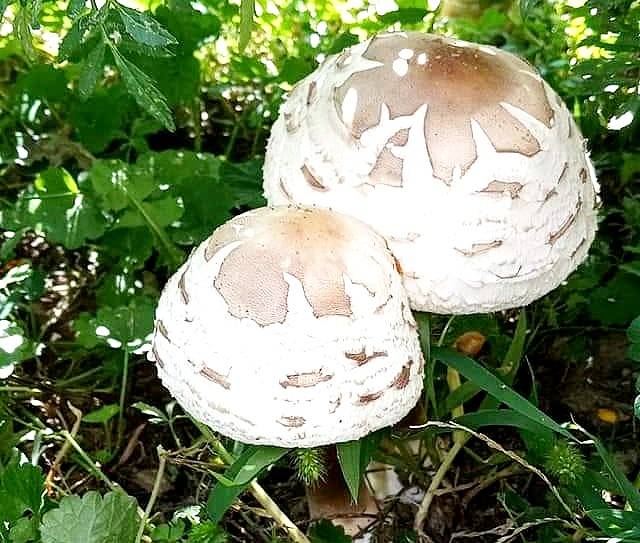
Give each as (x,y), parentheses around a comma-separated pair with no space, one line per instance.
(459,154)
(289,327)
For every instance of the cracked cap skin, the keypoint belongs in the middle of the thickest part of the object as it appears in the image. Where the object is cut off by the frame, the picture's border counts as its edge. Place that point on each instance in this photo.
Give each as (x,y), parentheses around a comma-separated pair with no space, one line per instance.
(289,327)
(459,154)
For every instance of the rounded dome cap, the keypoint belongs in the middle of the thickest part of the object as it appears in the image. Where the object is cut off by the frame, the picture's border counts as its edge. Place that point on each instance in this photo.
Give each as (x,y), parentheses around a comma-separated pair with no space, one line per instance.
(289,327)
(459,154)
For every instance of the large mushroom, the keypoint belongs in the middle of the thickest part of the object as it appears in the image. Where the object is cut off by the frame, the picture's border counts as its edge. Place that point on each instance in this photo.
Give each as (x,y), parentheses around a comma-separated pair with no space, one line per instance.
(289,327)
(459,154)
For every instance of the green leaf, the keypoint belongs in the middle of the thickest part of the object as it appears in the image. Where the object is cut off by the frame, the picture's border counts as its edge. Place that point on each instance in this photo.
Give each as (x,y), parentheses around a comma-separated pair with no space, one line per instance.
(327,532)
(21,490)
(57,207)
(25,530)
(144,28)
(207,532)
(92,69)
(155,415)
(473,371)
(74,7)
(117,182)
(14,346)
(160,213)
(143,89)
(123,327)
(252,461)
(616,523)
(92,519)
(351,466)
(247,9)
(102,415)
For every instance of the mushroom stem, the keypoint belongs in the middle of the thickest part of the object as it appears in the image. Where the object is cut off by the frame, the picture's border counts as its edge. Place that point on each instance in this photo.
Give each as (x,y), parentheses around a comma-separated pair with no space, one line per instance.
(331,500)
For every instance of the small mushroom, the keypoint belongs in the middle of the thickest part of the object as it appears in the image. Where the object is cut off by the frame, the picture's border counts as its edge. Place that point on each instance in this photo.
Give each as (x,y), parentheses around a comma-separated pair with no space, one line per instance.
(288,327)
(459,154)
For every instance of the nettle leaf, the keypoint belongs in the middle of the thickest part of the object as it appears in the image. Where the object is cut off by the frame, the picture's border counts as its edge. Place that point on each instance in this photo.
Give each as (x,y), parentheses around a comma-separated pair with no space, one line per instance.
(92,519)
(92,69)
(55,206)
(144,29)
(123,327)
(144,90)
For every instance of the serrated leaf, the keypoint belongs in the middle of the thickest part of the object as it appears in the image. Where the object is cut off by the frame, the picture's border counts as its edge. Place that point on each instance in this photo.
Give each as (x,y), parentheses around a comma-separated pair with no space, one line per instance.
(21,490)
(92,519)
(143,89)
(102,415)
(92,69)
(143,28)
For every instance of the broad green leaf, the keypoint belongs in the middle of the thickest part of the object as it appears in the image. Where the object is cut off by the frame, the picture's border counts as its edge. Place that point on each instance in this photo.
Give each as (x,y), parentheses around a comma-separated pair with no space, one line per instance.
(92,69)
(351,466)
(123,327)
(92,519)
(56,206)
(143,28)
(143,89)
(25,530)
(473,371)
(102,415)
(616,523)
(21,490)
(74,7)
(250,463)
(117,183)
(153,213)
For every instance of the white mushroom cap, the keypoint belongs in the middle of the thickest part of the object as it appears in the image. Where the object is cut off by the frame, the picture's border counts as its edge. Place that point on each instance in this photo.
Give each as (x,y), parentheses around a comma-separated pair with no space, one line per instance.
(459,154)
(290,327)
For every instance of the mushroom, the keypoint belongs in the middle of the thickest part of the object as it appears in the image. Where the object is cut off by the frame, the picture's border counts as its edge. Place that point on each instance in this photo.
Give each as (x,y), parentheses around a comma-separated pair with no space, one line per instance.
(459,154)
(289,327)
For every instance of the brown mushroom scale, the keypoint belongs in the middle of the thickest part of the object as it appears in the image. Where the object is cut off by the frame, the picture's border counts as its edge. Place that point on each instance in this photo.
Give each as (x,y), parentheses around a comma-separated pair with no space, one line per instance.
(296,245)
(457,83)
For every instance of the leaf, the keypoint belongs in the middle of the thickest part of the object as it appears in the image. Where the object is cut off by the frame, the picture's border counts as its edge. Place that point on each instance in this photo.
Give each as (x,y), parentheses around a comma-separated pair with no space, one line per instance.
(624,486)
(155,415)
(327,532)
(21,490)
(143,89)
(144,28)
(473,371)
(92,69)
(124,327)
(57,207)
(349,459)
(74,7)
(159,213)
(14,346)
(4,4)
(117,182)
(102,415)
(247,9)
(92,519)
(252,461)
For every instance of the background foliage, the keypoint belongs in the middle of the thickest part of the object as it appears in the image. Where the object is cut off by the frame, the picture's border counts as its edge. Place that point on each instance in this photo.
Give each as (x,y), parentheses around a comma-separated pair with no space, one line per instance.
(128,131)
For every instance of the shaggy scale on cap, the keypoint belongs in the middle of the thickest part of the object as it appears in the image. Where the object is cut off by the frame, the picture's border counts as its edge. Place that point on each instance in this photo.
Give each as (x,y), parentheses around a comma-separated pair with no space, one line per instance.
(459,154)
(290,327)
